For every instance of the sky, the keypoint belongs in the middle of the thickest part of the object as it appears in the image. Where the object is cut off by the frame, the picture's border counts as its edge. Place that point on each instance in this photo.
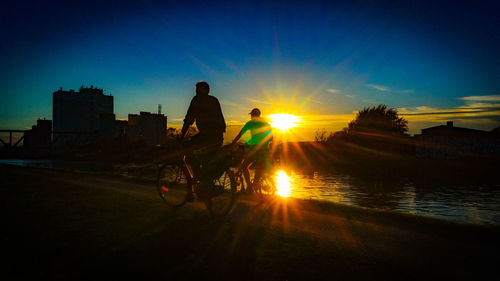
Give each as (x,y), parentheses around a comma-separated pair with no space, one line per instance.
(434,61)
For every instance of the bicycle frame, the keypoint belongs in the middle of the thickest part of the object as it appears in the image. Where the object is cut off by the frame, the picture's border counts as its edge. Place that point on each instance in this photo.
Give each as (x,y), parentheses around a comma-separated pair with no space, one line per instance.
(218,196)
(193,179)
(188,170)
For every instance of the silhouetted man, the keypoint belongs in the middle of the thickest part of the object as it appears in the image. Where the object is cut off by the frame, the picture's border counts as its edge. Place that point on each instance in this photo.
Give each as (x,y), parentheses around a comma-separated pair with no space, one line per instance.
(205,110)
(257,148)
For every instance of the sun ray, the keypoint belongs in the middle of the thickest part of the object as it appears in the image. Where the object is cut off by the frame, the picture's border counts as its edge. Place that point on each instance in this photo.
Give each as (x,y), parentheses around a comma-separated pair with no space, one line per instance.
(301,153)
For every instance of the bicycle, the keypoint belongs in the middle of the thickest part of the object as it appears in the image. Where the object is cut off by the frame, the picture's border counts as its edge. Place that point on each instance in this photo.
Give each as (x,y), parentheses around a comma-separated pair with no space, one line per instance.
(177,184)
(266,185)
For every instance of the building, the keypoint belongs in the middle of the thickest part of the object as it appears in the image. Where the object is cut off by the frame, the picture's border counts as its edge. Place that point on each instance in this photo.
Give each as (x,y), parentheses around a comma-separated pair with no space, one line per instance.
(81,115)
(40,135)
(450,142)
(148,127)
(121,128)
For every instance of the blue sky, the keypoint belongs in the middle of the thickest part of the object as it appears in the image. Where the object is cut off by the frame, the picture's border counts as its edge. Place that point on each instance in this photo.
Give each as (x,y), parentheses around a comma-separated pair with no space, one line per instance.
(320,59)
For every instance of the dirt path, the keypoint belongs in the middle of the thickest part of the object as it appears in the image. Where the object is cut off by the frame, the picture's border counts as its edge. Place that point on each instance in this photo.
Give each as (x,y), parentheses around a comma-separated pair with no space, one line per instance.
(62,225)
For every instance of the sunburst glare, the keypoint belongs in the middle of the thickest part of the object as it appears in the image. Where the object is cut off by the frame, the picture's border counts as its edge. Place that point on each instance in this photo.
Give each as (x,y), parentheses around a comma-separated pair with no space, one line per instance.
(283,184)
(283,121)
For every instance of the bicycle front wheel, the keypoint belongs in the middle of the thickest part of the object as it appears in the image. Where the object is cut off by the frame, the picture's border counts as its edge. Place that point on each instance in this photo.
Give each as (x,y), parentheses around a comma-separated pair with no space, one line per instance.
(172,185)
(223,194)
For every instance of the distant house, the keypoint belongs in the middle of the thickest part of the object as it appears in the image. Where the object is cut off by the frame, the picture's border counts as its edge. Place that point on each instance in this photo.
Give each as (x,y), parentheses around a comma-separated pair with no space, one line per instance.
(450,142)
(148,127)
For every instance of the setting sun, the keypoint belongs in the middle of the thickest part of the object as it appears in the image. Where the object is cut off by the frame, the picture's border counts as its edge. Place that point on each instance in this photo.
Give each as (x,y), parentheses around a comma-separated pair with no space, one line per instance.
(283,184)
(283,121)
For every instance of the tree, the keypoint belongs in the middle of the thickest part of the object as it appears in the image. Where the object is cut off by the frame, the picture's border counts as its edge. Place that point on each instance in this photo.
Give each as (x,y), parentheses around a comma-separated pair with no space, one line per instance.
(173,132)
(321,136)
(378,120)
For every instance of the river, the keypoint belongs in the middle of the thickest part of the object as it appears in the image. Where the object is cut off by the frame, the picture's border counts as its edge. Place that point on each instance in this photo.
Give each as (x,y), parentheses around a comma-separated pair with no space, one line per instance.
(476,203)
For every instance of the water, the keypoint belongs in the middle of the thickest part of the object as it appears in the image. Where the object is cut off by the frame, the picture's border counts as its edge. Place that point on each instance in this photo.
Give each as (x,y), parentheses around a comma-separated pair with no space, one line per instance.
(467,203)
(477,204)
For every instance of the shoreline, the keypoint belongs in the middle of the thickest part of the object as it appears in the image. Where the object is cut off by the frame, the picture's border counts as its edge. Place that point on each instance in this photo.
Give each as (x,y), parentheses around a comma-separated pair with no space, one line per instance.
(147,174)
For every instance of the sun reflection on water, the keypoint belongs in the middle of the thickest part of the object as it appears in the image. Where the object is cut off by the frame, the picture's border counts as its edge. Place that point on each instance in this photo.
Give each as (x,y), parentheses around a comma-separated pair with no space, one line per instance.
(283,184)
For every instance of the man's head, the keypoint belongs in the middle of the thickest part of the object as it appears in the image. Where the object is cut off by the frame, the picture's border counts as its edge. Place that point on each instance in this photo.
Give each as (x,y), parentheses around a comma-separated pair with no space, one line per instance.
(255,112)
(202,88)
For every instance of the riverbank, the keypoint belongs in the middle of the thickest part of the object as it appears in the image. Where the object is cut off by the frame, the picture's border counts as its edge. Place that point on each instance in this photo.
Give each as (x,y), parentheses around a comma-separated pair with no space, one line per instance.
(63,225)
(461,201)
(349,158)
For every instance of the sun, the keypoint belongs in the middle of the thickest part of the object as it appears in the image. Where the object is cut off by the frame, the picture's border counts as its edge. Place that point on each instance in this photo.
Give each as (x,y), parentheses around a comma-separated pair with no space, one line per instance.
(283,121)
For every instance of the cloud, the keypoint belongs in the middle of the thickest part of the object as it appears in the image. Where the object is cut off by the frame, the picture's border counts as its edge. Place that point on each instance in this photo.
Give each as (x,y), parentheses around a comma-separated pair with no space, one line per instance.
(378,87)
(234,105)
(333,118)
(482,98)
(479,105)
(407,91)
(204,67)
(333,91)
(426,110)
(258,101)
(229,103)
(475,107)
(309,99)
(483,116)
(383,88)
(338,92)
(371,101)
(479,111)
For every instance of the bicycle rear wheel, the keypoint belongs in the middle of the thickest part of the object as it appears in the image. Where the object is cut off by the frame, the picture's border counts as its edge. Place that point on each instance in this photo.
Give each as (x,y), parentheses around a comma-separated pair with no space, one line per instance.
(172,185)
(223,194)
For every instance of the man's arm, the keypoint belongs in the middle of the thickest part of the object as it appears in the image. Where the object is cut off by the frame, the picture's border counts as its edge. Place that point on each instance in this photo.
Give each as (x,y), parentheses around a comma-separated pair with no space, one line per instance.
(190,117)
(236,139)
(242,131)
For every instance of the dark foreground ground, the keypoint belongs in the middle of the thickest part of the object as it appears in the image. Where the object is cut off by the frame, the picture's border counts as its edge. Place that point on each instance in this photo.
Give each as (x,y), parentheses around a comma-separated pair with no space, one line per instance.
(62,225)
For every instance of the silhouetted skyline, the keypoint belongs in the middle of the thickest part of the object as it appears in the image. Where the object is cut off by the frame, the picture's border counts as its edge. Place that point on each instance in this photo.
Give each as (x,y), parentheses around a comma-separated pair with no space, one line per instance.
(319,59)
